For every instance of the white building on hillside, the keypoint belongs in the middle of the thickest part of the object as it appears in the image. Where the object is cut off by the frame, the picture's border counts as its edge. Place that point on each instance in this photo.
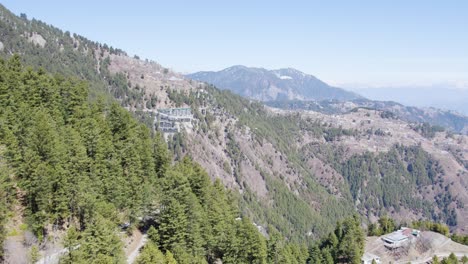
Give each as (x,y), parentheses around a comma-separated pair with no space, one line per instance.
(400,237)
(171,120)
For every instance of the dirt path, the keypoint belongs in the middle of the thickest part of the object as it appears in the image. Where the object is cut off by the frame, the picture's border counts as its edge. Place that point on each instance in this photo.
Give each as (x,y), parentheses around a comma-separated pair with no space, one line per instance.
(132,250)
(53,258)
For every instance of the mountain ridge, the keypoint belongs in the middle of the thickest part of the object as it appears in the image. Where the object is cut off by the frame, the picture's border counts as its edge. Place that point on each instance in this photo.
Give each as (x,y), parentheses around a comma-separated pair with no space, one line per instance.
(266,85)
(289,88)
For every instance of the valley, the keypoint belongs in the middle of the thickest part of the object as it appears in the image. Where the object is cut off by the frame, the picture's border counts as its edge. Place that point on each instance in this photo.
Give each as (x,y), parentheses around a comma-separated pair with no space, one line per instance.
(92,139)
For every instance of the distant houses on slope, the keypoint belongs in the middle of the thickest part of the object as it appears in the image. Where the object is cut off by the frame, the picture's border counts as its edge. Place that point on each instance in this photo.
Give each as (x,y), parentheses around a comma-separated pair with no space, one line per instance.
(171,120)
(393,241)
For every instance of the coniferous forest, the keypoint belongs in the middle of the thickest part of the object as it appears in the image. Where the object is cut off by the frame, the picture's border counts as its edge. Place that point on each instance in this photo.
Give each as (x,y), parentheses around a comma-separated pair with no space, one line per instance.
(83,165)
(87,167)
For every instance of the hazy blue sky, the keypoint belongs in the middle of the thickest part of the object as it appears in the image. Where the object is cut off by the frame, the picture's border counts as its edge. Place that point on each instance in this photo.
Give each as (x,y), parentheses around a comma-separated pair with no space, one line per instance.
(342,42)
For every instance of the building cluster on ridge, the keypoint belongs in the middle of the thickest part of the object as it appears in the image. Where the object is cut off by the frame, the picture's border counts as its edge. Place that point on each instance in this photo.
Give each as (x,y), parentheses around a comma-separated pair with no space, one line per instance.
(171,120)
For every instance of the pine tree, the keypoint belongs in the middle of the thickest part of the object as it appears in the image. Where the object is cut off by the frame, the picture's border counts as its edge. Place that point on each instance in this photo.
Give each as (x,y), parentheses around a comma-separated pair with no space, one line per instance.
(151,255)
(101,242)
(170,258)
(327,257)
(222,239)
(372,230)
(76,166)
(161,155)
(5,199)
(452,258)
(196,220)
(71,242)
(153,235)
(253,247)
(274,245)
(387,224)
(173,224)
(197,177)
(315,255)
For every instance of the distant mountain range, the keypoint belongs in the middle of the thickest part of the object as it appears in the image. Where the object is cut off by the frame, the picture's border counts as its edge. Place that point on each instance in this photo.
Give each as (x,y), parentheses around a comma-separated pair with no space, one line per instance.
(272,85)
(443,96)
(297,172)
(294,90)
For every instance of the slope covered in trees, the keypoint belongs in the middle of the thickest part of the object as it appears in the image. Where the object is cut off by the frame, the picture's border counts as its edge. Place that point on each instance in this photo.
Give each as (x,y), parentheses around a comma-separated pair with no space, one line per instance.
(377,183)
(86,166)
(74,161)
(299,202)
(393,180)
(73,55)
(344,245)
(64,53)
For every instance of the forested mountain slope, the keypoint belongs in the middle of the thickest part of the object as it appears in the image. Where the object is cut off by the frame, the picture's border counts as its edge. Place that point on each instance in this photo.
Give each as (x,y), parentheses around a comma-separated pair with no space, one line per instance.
(296,172)
(82,168)
(146,86)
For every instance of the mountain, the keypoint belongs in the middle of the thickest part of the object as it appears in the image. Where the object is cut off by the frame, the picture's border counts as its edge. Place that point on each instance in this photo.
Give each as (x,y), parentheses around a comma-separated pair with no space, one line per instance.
(270,85)
(292,89)
(77,159)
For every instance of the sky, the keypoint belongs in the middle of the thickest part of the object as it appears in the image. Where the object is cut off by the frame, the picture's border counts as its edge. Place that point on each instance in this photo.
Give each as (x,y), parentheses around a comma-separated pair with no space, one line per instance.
(348,43)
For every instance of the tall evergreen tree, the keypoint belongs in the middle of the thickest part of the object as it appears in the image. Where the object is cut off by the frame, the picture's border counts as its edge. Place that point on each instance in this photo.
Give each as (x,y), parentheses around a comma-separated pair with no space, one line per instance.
(151,255)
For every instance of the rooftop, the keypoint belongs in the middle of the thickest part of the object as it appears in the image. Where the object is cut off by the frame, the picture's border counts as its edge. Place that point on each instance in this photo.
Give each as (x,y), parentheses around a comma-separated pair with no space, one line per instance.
(397,236)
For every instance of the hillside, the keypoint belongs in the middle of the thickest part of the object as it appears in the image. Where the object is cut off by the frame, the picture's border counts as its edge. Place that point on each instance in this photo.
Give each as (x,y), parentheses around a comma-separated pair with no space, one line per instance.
(145,86)
(76,172)
(296,172)
(449,120)
(271,85)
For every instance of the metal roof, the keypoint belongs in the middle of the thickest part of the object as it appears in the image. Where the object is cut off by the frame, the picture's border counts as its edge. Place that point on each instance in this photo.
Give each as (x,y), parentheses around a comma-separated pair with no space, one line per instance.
(396,236)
